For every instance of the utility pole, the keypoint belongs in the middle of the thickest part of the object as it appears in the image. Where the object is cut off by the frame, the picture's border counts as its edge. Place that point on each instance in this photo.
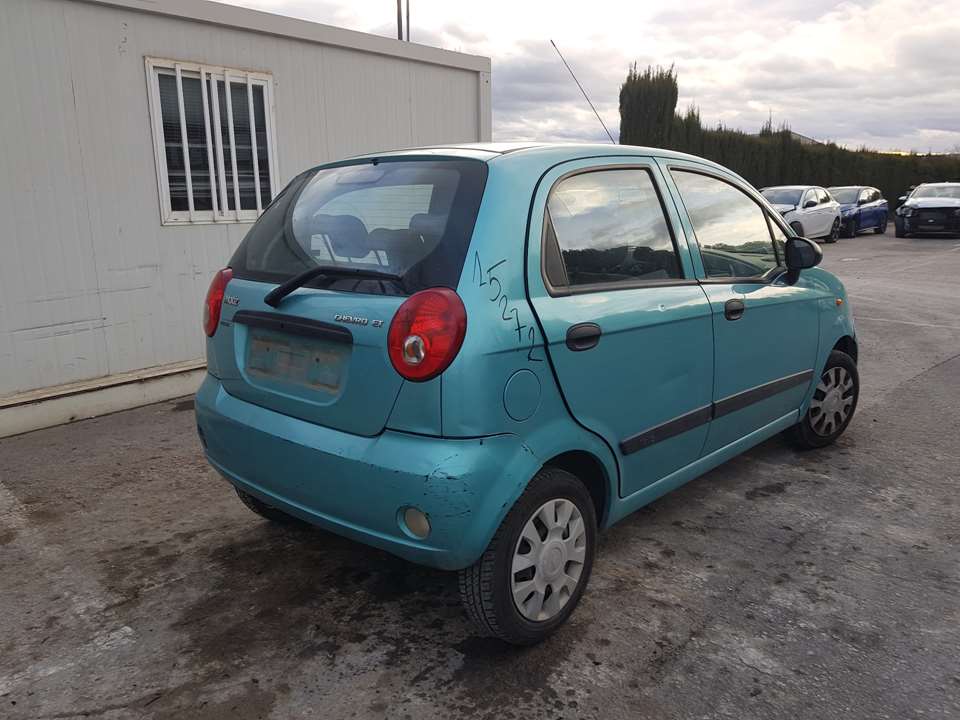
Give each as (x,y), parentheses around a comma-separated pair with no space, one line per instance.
(399,20)
(408,20)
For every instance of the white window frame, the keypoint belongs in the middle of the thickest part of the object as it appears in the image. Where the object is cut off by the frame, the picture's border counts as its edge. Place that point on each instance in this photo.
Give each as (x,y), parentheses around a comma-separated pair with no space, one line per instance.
(221,212)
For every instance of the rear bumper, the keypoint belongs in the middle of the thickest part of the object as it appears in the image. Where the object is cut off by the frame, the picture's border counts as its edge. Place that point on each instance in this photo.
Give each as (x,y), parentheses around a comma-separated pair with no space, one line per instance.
(357,486)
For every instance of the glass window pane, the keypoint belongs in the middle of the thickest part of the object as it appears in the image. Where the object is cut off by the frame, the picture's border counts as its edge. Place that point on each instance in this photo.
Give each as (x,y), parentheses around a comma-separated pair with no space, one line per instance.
(730,227)
(225,139)
(610,228)
(197,143)
(414,219)
(263,158)
(241,134)
(173,142)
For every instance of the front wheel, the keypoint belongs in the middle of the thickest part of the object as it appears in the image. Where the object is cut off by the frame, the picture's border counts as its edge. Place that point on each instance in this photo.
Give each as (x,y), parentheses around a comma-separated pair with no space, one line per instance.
(531,577)
(833,404)
(850,229)
(882,227)
(898,230)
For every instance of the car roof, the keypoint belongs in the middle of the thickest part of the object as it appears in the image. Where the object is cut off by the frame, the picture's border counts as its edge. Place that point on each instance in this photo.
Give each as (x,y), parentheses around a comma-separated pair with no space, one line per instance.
(942,183)
(847,187)
(790,187)
(544,155)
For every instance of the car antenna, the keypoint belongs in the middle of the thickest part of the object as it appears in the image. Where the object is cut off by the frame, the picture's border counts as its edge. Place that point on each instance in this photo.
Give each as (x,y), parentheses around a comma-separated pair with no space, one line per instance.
(584,92)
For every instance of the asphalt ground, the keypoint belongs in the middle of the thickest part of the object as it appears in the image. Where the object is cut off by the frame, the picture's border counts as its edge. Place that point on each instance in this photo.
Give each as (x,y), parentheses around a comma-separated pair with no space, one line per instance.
(781,585)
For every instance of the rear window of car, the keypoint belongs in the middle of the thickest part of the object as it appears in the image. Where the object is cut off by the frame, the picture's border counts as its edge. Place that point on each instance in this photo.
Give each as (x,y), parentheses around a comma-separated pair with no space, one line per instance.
(412,218)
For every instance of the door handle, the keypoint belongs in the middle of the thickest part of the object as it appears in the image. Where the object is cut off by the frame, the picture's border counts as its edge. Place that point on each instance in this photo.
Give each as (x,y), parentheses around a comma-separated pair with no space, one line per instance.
(733,309)
(583,336)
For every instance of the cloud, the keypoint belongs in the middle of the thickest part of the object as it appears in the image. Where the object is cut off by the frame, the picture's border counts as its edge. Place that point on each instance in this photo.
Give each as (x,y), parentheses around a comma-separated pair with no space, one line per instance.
(879,73)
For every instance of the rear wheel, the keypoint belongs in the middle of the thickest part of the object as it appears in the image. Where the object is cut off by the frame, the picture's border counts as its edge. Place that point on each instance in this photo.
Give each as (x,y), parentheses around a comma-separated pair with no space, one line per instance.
(834,231)
(531,577)
(266,511)
(833,404)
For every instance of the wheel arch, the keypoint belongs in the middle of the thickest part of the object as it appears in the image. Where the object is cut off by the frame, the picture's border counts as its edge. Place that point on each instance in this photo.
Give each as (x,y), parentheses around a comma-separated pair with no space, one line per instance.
(847,345)
(589,470)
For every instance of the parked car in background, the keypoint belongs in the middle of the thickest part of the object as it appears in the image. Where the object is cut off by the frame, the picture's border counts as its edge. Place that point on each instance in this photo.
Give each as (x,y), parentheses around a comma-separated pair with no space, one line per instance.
(476,357)
(861,208)
(808,210)
(930,208)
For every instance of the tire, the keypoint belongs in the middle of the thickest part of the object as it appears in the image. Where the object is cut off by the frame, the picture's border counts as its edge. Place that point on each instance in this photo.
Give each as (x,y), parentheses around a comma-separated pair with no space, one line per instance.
(850,229)
(898,229)
(817,428)
(267,511)
(487,586)
(882,227)
(834,232)
(797,228)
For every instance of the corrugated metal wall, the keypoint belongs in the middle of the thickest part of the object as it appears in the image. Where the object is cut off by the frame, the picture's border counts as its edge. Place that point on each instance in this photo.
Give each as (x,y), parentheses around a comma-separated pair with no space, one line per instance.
(91,284)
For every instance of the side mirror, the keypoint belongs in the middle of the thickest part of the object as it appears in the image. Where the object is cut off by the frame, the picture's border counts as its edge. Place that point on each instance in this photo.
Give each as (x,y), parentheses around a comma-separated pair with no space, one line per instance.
(801,254)
(809,204)
(902,198)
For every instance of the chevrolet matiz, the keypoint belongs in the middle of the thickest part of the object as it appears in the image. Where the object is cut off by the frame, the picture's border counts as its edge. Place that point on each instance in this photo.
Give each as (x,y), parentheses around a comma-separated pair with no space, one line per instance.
(477,357)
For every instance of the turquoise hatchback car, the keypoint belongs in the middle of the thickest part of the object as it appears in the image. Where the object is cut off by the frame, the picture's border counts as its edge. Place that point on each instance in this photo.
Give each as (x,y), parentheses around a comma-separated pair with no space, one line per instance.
(476,357)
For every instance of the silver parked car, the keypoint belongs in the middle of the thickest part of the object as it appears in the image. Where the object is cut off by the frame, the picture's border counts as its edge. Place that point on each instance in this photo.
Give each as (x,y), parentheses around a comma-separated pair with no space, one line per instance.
(808,209)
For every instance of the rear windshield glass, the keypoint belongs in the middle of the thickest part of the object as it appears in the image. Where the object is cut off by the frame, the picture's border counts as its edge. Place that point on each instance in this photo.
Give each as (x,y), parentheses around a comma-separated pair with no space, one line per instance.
(412,219)
(782,196)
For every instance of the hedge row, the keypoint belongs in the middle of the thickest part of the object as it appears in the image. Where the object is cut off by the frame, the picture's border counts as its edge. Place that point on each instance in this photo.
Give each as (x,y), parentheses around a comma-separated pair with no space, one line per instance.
(648,116)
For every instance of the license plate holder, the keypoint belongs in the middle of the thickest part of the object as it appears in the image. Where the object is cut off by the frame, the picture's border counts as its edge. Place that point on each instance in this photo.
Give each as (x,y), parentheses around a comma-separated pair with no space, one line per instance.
(295,360)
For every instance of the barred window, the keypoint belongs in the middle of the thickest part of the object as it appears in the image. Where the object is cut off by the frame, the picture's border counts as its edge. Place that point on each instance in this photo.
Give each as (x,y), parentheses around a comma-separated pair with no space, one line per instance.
(213,133)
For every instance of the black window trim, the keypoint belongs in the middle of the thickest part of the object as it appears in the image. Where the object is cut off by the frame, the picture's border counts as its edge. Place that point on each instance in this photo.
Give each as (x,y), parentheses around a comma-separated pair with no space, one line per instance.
(770,275)
(565,291)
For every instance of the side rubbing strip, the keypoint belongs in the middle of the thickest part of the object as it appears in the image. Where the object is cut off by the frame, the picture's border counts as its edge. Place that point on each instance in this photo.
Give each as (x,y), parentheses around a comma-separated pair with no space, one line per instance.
(742,399)
(715,410)
(667,430)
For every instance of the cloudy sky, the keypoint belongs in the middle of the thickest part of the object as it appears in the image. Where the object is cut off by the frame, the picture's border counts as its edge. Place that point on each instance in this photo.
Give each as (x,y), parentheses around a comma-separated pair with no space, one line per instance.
(884,74)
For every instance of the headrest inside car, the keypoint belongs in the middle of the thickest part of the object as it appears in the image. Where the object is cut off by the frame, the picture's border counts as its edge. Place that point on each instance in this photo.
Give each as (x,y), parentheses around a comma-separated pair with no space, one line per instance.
(347,235)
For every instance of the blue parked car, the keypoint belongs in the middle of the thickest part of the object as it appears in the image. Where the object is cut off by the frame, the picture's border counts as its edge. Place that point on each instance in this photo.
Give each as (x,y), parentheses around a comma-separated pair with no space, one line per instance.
(476,357)
(861,208)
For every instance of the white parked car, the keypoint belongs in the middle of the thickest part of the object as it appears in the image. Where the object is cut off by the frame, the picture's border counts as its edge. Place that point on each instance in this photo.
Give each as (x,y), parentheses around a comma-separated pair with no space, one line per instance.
(808,209)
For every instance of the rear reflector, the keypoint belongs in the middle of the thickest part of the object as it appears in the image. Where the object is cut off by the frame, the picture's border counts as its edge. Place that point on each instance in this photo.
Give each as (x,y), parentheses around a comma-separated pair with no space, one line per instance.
(426,333)
(214,301)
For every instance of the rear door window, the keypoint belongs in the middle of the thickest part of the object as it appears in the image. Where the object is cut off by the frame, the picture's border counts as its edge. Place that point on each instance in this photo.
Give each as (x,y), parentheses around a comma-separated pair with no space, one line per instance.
(607,228)
(413,219)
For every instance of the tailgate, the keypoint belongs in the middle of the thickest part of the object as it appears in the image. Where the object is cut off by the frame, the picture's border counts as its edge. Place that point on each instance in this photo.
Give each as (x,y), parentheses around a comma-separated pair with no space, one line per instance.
(322,357)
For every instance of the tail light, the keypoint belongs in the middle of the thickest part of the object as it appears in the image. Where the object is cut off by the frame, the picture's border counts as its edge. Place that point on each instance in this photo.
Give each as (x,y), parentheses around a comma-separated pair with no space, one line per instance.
(211,307)
(426,333)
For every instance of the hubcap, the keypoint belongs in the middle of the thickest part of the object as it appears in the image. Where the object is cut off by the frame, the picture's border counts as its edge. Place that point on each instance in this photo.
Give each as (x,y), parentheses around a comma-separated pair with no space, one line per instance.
(548,560)
(832,401)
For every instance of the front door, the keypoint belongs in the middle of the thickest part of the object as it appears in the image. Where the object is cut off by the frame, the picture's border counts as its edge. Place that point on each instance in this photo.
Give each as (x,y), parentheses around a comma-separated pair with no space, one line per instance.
(766,331)
(628,327)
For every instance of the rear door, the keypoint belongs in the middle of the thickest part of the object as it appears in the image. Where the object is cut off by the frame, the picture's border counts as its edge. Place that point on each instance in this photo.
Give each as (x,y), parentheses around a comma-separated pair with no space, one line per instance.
(826,211)
(627,325)
(322,354)
(766,331)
